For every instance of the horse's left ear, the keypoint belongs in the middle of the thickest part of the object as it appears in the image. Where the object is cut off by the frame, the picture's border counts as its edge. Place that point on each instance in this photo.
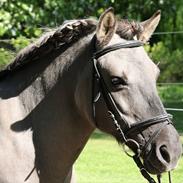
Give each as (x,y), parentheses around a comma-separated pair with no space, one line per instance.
(149,27)
(106,28)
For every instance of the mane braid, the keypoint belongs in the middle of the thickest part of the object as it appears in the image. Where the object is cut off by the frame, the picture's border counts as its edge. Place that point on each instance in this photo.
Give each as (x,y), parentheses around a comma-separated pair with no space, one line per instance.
(61,37)
(69,32)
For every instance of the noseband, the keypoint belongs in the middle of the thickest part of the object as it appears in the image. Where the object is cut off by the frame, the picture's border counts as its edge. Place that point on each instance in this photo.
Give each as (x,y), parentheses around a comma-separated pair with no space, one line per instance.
(117,117)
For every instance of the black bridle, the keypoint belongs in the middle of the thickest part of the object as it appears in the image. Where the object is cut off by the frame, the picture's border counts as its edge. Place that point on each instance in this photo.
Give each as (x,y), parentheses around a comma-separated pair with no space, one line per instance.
(117,118)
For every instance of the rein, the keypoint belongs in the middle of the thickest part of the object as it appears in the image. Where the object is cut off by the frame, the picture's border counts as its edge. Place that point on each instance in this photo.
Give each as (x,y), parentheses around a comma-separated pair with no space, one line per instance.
(117,118)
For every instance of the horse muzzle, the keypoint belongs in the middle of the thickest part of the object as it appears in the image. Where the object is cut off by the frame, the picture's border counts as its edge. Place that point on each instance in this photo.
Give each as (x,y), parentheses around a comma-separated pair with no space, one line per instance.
(164,154)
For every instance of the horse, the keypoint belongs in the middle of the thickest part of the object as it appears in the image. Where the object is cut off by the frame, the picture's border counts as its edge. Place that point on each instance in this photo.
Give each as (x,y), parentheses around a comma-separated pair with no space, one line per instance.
(83,75)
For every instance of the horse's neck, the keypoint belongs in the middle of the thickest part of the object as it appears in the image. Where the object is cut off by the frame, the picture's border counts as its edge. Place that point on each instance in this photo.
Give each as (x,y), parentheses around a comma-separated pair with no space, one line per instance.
(66,128)
(53,110)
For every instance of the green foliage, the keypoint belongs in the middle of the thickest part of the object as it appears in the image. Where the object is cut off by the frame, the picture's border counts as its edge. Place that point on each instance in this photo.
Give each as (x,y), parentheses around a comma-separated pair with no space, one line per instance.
(173,70)
(19,18)
(171,93)
(169,62)
(5,57)
(20,42)
(24,18)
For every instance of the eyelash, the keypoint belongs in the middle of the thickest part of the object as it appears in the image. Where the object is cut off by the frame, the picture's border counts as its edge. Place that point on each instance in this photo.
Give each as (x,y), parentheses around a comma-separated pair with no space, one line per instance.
(117,81)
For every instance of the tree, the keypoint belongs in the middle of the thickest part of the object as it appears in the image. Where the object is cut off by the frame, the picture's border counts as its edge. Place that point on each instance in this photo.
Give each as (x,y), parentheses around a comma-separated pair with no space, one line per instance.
(28,18)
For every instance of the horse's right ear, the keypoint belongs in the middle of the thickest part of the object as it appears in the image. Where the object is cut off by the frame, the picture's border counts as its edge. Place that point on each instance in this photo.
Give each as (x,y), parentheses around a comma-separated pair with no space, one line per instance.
(149,27)
(105,28)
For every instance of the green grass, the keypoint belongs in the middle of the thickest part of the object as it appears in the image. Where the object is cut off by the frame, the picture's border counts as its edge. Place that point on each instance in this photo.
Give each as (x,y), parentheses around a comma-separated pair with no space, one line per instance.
(103,161)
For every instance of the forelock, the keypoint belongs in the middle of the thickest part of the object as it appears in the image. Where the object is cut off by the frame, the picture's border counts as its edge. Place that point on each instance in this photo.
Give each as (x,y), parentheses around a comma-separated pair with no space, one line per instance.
(128,29)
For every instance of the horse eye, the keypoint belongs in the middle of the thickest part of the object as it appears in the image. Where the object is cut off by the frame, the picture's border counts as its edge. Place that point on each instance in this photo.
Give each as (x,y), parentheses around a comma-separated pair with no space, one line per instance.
(116,81)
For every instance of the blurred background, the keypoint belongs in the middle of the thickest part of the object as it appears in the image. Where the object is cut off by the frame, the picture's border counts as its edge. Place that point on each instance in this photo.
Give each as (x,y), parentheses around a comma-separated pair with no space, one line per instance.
(22,21)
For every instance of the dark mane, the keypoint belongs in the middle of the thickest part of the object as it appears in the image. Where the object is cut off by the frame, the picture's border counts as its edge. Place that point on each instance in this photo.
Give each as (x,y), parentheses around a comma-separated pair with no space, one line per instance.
(67,33)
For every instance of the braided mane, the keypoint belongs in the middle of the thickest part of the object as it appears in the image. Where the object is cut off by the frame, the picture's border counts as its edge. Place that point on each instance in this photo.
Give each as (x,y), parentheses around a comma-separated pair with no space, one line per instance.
(68,33)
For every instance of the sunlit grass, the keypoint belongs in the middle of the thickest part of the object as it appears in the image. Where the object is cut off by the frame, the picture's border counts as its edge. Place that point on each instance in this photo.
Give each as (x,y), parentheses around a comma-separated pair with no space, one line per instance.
(103,161)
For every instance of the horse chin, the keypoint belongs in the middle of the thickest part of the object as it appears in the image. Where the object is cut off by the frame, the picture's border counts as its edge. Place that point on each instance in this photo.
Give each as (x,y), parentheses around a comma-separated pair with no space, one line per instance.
(152,169)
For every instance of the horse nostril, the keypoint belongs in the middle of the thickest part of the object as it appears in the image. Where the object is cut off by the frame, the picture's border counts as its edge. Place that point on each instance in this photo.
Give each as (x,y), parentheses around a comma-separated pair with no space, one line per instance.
(164,153)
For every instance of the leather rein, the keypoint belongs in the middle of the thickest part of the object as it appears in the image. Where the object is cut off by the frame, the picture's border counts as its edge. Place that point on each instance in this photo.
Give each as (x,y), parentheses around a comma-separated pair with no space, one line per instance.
(116,116)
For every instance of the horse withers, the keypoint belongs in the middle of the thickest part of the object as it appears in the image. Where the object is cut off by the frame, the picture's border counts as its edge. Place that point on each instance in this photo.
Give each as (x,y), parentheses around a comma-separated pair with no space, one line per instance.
(47,95)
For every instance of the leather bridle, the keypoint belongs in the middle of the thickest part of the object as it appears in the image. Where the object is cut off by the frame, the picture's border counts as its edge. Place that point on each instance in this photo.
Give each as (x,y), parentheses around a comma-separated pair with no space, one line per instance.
(117,117)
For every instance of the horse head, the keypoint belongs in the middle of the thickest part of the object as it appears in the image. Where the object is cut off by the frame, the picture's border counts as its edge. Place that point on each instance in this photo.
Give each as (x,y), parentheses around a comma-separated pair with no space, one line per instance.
(127,83)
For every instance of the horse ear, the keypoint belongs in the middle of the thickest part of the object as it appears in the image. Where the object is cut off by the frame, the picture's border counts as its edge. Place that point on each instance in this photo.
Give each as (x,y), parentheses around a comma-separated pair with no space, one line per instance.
(106,27)
(149,27)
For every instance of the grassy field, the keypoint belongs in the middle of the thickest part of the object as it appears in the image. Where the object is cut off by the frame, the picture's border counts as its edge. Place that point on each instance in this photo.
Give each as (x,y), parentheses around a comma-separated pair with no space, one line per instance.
(103,161)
